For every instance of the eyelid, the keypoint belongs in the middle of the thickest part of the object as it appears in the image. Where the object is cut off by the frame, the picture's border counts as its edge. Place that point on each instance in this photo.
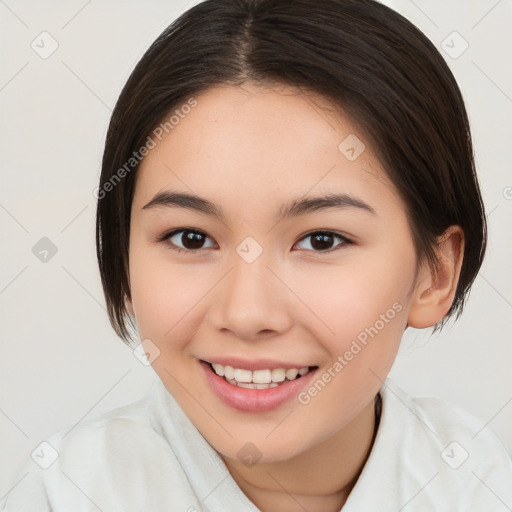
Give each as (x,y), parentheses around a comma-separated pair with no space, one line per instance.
(344,238)
(168,234)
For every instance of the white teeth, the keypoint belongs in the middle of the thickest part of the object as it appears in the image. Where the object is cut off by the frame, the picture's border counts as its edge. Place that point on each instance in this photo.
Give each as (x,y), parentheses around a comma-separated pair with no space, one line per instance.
(262,376)
(243,375)
(219,369)
(292,373)
(229,372)
(246,385)
(278,375)
(251,385)
(257,379)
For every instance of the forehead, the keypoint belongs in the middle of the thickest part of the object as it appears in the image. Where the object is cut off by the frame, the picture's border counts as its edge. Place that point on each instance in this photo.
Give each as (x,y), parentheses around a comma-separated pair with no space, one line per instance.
(263,142)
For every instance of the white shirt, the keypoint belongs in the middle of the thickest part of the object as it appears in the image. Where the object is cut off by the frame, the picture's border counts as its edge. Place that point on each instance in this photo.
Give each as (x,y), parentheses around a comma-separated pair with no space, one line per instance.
(147,456)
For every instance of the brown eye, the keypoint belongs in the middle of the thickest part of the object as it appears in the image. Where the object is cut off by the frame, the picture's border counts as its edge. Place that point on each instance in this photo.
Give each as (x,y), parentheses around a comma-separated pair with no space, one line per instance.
(190,240)
(322,241)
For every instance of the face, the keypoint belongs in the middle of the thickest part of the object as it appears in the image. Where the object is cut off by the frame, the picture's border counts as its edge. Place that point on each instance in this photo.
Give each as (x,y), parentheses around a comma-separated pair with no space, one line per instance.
(324,287)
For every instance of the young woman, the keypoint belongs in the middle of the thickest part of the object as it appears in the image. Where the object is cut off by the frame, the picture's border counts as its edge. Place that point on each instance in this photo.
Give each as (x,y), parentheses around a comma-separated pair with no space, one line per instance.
(286,188)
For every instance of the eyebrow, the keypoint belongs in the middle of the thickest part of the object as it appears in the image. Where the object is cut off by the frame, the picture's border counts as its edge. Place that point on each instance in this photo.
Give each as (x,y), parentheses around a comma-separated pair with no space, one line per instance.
(299,206)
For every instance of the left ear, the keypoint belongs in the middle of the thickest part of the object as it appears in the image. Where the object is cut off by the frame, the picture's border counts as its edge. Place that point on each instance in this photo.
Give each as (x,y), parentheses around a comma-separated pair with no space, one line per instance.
(435,288)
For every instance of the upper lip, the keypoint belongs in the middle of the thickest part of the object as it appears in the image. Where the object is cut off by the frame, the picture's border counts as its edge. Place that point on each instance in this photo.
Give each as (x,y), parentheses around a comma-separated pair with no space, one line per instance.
(254,364)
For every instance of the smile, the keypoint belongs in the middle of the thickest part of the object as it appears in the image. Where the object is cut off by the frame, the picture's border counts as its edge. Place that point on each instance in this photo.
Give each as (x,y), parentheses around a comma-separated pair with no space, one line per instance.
(258,379)
(258,390)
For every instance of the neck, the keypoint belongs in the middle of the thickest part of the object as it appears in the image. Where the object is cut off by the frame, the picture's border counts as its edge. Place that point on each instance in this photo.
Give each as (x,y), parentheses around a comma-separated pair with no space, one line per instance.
(320,478)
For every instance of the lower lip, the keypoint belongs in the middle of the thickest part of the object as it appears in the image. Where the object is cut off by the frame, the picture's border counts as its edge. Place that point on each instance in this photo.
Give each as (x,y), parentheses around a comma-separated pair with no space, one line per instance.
(254,400)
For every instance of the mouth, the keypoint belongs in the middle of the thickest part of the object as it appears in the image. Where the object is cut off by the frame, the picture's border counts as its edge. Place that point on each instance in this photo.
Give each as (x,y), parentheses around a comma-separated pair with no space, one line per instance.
(259,390)
(258,379)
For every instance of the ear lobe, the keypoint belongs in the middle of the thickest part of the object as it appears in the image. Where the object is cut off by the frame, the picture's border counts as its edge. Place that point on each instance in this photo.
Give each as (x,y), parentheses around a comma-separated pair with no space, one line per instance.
(435,289)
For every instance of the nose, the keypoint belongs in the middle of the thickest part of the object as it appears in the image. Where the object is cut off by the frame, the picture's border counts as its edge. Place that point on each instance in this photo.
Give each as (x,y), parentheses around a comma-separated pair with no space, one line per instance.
(252,301)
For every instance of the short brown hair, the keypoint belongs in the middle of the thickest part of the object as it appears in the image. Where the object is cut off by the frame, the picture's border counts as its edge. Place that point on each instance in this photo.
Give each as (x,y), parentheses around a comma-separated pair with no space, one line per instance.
(363,56)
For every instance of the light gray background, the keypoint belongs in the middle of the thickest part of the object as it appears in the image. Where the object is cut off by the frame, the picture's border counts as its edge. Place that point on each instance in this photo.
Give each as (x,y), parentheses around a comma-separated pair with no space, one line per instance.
(60,362)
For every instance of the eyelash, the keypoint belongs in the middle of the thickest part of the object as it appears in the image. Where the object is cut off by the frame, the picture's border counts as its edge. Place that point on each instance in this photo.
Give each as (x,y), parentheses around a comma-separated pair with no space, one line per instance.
(165,239)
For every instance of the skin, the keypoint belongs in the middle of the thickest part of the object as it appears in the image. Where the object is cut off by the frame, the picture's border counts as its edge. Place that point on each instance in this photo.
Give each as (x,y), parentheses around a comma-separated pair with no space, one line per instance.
(250,150)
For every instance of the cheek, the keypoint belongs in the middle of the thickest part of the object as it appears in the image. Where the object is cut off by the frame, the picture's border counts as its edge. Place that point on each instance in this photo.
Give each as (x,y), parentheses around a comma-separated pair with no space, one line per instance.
(365,298)
(163,294)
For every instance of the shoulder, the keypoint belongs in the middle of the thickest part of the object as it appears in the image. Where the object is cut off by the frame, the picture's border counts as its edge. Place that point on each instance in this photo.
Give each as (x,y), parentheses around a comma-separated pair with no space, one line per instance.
(116,460)
(442,421)
(457,452)
(441,424)
(111,442)
(114,427)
